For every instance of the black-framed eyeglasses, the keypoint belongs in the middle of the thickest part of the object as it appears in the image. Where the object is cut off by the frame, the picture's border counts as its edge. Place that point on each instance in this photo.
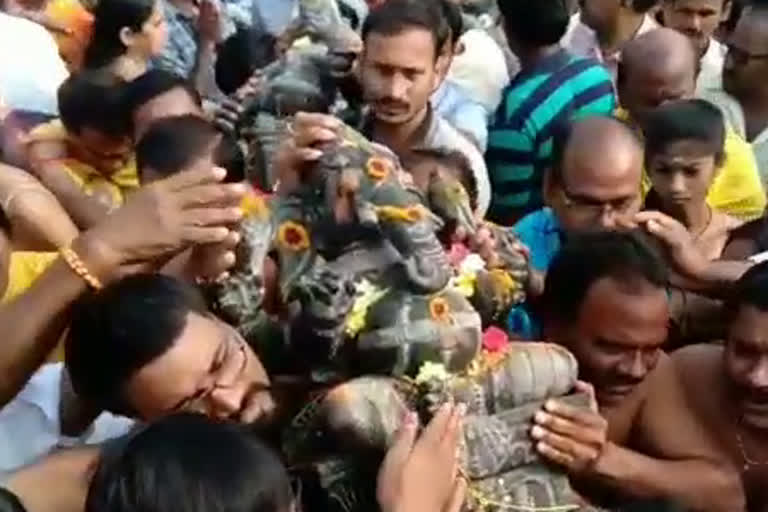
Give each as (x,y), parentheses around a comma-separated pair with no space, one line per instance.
(742,57)
(596,208)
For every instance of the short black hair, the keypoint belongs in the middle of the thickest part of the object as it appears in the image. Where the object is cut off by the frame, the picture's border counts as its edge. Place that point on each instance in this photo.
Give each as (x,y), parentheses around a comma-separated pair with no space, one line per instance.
(152,84)
(453,19)
(750,290)
(9,502)
(450,158)
(173,143)
(396,16)
(627,257)
(643,6)
(535,22)
(681,120)
(93,99)
(189,463)
(119,330)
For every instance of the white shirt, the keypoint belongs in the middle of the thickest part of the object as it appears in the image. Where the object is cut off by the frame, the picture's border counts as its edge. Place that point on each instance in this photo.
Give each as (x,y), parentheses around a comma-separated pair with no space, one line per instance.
(31,69)
(481,70)
(29,425)
(711,73)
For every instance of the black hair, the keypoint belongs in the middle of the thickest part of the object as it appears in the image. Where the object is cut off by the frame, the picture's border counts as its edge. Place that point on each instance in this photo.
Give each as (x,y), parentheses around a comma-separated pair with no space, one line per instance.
(189,463)
(119,330)
(92,99)
(643,6)
(173,143)
(396,16)
(453,19)
(693,119)
(240,55)
(109,18)
(453,159)
(626,257)
(750,290)
(152,84)
(9,502)
(535,22)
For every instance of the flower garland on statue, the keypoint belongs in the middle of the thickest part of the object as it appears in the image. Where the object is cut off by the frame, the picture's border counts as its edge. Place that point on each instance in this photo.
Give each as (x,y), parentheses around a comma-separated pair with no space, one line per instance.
(366,295)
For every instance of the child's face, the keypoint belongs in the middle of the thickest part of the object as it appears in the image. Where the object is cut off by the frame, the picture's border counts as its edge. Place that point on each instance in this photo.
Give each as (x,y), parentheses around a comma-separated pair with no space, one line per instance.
(682,173)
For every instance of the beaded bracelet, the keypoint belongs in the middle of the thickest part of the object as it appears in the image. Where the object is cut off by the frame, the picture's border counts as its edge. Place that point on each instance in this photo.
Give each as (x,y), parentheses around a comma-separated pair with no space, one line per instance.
(79,268)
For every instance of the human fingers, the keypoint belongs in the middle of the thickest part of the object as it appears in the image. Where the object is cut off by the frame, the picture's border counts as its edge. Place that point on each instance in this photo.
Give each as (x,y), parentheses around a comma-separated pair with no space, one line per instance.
(203,235)
(554,455)
(207,195)
(212,216)
(391,469)
(303,120)
(581,455)
(436,430)
(576,414)
(195,176)
(458,495)
(577,431)
(308,136)
(589,390)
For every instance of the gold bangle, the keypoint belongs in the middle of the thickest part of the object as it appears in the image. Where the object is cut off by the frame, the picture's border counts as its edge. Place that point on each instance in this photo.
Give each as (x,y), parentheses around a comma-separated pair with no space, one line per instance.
(79,268)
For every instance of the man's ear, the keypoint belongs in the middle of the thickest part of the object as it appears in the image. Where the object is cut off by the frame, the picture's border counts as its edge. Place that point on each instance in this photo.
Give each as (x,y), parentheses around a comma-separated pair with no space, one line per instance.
(726,12)
(548,187)
(127,37)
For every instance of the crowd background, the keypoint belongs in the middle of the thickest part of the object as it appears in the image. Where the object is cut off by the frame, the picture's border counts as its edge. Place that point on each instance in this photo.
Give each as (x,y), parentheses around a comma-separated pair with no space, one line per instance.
(591,174)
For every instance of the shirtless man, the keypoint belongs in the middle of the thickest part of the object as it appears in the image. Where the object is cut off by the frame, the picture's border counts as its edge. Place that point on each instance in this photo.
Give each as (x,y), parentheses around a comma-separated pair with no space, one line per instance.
(734,407)
(640,441)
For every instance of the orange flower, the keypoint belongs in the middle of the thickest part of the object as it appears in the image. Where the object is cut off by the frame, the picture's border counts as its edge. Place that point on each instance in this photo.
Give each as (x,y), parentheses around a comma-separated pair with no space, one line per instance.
(414,213)
(378,168)
(440,310)
(293,236)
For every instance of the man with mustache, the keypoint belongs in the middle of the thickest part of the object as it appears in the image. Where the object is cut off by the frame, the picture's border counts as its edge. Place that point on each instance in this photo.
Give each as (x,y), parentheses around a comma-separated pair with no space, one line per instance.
(727,385)
(606,301)
(400,68)
(699,19)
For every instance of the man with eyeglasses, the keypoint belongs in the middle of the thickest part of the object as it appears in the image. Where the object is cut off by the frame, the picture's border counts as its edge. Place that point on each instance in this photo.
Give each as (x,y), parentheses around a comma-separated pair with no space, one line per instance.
(593,184)
(744,98)
(147,347)
(661,66)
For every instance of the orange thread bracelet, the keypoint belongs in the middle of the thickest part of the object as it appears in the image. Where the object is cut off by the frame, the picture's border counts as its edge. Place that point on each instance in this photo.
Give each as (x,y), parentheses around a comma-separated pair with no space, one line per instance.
(79,268)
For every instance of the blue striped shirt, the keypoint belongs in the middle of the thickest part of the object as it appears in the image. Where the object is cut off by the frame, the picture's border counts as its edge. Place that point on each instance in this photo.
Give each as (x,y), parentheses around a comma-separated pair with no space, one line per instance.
(558,87)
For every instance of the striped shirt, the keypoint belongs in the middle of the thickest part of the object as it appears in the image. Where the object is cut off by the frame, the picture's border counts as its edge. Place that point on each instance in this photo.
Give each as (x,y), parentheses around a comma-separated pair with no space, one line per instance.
(558,87)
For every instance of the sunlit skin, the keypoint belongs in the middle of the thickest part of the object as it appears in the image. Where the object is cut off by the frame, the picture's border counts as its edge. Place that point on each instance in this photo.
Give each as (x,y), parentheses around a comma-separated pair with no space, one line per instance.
(697,19)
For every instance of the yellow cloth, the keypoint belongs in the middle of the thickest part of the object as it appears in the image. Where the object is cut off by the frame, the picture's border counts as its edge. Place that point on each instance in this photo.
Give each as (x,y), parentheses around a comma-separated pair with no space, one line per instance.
(113,177)
(72,15)
(737,189)
(24,270)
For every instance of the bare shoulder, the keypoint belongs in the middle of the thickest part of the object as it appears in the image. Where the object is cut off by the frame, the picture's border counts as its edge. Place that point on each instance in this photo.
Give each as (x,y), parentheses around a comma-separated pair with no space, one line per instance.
(699,361)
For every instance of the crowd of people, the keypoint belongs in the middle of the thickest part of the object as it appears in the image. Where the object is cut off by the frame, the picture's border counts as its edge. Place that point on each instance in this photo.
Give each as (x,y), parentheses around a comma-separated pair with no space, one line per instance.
(242,239)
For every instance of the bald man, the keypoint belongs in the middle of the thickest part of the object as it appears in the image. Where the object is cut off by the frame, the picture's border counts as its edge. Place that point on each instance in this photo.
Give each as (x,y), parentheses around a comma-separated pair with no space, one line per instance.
(587,187)
(661,66)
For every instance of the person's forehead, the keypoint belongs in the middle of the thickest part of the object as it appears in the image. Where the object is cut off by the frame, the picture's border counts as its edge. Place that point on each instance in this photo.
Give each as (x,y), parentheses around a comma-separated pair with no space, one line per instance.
(616,313)
(750,326)
(177,100)
(688,150)
(413,47)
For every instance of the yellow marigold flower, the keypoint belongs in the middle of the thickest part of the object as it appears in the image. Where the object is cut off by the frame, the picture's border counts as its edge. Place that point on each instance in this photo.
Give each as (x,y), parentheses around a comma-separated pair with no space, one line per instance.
(439,309)
(254,205)
(367,295)
(292,235)
(378,168)
(464,283)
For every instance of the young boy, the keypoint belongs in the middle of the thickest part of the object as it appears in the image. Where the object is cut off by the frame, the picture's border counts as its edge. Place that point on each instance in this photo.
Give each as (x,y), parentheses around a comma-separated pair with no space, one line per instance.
(684,151)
